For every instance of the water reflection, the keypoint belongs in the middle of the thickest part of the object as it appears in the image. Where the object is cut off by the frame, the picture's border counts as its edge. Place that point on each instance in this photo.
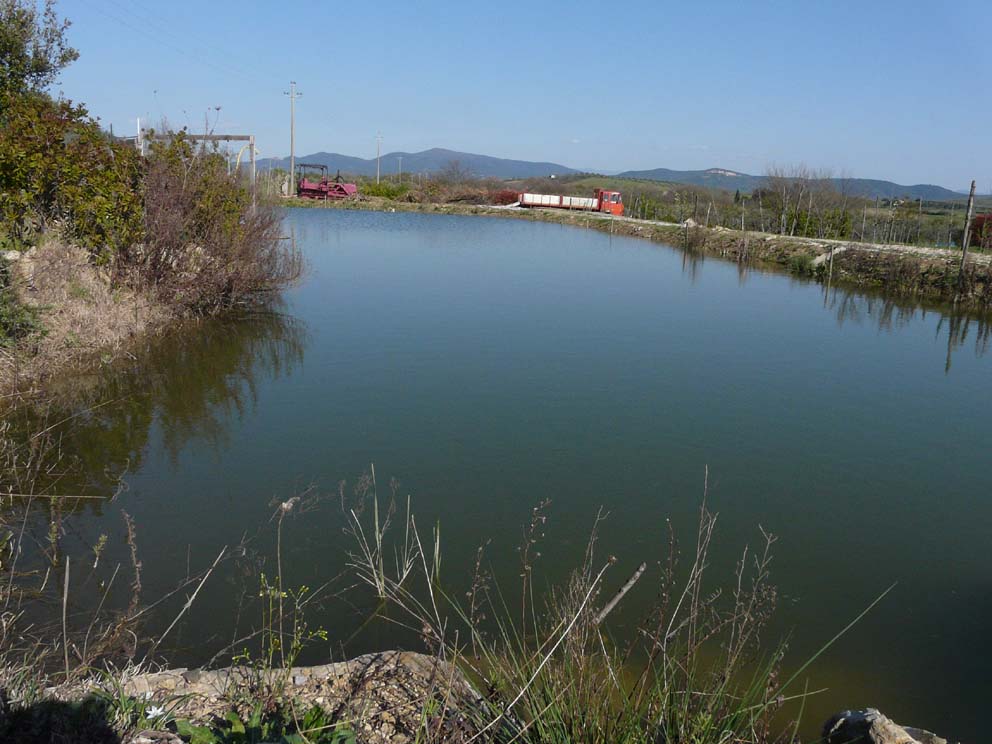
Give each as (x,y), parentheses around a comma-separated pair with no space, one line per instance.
(864,305)
(187,385)
(892,314)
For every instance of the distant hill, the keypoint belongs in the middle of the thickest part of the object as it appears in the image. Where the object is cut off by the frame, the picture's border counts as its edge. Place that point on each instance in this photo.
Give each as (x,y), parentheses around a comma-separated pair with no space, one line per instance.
(486,166)
(429,161)
(720,178)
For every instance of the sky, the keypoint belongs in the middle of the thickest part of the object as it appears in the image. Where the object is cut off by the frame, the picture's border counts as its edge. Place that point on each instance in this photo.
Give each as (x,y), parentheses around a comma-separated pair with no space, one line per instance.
(891,90)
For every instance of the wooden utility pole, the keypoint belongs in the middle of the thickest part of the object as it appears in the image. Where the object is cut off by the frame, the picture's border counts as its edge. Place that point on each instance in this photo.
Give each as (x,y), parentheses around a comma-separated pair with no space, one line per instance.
(967,219)
(967,230)
(293,95)
(378,153)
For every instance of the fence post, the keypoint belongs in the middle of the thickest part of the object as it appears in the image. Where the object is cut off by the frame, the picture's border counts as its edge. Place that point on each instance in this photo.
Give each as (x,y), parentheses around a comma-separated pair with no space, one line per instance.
(967,238)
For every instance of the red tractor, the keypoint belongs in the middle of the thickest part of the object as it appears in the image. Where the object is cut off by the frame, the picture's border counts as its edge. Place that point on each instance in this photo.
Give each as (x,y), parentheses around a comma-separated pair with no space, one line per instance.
(323,188)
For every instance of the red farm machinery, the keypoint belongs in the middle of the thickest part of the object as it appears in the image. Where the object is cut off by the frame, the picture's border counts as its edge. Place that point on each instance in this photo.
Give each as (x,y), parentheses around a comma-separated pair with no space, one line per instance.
(323,187)
(981,231)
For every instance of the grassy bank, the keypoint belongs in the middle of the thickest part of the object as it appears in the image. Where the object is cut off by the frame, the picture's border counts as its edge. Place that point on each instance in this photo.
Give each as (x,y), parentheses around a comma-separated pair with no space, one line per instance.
(924,274)
(76,316)
(528,662)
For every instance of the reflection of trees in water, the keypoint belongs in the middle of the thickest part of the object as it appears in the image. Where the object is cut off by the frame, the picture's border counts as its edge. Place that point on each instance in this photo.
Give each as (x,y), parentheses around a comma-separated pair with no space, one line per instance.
(959,327)
(887,313)
(890,314)
(73,451)
(692,263)
(187,382)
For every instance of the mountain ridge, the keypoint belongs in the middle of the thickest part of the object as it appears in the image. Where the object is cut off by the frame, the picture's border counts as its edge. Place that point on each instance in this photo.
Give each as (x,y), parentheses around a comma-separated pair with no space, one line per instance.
(430,161)
(486,166)
(728,180)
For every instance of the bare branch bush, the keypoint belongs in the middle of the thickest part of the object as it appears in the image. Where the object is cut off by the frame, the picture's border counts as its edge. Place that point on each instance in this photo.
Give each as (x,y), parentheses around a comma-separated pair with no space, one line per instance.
(206,247)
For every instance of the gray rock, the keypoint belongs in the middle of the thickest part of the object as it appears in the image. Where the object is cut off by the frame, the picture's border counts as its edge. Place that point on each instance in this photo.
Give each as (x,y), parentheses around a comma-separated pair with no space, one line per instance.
(868,726)
(156,737)
(12,256)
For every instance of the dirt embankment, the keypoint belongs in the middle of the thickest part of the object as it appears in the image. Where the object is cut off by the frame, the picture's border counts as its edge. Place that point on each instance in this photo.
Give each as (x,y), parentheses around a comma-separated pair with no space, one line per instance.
(393,697)
(82,318)
(927,274)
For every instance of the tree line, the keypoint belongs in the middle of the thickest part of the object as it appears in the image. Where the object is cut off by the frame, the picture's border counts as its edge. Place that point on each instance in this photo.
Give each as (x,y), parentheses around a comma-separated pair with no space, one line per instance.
(803,202)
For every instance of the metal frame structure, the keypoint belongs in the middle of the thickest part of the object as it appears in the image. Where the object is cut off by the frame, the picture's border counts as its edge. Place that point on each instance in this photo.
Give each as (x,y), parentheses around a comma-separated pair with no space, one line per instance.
(249,138)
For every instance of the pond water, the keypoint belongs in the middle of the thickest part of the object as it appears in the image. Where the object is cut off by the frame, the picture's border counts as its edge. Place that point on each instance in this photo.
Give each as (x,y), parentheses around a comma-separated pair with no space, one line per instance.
(489,364)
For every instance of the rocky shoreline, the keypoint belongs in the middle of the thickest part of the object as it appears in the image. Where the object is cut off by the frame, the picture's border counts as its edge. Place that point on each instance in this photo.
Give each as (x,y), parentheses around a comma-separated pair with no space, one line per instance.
(382,697)
(392,697)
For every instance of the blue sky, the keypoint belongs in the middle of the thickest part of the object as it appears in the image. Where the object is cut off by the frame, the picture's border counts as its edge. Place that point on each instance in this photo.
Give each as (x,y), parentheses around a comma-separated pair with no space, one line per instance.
(888,90)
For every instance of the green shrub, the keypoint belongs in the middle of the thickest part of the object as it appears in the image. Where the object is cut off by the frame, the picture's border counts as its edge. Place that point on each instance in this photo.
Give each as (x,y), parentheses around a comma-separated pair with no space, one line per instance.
(57,167)
(801,265)
(384,189)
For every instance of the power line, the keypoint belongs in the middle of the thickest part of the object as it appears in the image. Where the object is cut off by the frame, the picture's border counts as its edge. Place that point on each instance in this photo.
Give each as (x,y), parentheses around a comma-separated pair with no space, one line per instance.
(185,52)
(206,50)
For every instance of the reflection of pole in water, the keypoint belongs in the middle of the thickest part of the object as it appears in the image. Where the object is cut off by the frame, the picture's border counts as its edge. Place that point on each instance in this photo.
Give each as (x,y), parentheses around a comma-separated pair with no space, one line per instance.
(890,314)
(957,333)
(830,276)
(951,333)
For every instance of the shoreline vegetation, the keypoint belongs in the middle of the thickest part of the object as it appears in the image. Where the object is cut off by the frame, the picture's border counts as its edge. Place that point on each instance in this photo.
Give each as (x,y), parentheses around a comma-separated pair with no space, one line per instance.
(920,273)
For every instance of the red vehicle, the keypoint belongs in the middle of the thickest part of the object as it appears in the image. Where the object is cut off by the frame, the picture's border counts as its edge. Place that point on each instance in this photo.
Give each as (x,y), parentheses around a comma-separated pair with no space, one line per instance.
(610,202)
(981,230)
(322,188)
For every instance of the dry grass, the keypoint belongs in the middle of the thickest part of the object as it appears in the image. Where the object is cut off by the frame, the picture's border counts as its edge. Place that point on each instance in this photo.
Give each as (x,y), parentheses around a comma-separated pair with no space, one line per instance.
(82,315)
(696,671)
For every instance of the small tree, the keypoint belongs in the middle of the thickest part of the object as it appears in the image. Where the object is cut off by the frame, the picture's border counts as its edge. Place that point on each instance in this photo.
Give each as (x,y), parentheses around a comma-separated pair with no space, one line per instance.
(453,172)
(33,47)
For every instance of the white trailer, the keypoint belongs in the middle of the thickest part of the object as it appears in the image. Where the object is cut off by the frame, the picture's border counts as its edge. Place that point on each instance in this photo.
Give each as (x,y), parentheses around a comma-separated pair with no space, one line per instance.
(560,202)
(601,201)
